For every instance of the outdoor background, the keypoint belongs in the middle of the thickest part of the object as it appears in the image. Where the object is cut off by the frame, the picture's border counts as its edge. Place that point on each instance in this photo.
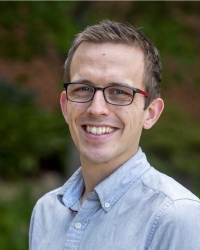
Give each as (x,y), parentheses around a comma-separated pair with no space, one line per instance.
(36,152)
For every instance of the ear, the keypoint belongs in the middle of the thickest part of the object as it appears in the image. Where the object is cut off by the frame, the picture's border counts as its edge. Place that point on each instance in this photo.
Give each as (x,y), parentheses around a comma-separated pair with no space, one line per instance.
(63,104)
(153,112)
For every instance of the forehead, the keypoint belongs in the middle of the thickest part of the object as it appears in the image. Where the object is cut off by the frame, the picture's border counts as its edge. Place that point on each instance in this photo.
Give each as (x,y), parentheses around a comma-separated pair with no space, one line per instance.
(107,60)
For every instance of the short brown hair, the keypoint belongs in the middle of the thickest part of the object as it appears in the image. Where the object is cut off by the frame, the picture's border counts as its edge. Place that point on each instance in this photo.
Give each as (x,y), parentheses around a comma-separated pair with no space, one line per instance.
(114,32)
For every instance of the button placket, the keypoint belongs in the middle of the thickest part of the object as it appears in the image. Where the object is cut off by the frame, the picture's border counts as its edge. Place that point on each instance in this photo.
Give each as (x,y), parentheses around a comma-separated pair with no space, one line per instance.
(79,223)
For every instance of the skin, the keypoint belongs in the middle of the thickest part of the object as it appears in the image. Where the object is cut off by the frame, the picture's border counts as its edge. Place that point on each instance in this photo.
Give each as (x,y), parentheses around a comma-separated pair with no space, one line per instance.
(101,65)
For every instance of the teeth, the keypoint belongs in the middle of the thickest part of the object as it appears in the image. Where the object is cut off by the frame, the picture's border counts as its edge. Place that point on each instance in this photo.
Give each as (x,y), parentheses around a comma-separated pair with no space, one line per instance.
(99,130)
(94,130)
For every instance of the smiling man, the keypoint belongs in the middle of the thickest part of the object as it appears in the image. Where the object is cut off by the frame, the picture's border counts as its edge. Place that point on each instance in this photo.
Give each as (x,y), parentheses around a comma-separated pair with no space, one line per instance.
(115,200)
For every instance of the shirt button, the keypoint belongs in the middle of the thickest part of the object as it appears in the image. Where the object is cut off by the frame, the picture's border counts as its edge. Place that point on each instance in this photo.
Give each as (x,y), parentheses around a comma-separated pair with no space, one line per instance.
(107,205)
(78,225)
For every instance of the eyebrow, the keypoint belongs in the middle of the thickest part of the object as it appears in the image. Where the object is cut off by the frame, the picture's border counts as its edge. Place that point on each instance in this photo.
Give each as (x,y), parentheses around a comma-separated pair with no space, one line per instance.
(85,81)
(82,81)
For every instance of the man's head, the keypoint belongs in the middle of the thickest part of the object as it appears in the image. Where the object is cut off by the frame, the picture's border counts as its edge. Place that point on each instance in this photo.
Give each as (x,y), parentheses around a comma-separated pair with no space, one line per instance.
(113,32)
(105,95)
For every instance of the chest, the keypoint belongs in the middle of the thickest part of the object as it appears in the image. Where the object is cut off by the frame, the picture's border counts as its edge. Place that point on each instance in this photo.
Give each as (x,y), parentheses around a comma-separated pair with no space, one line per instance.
(119,228)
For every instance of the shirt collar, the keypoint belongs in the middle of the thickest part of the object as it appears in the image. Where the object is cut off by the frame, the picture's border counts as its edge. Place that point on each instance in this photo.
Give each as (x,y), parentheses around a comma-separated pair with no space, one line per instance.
(70,193)
(111,189)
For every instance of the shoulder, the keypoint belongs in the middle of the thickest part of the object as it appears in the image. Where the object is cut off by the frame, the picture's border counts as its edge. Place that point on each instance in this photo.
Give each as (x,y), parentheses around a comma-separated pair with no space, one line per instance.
(48,209)
(49,198)
(48,213)
(183,212)
(48,205)
(177,226)
(167,186)
(175,221)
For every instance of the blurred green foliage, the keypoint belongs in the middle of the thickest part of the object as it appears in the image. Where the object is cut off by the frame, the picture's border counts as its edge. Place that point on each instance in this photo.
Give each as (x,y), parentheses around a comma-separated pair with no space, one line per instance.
(173,147)
(28,135)
(15,217)
(29,28)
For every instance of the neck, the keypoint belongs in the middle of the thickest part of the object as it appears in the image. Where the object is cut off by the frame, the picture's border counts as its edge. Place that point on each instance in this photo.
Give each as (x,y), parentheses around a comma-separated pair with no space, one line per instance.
(95,173)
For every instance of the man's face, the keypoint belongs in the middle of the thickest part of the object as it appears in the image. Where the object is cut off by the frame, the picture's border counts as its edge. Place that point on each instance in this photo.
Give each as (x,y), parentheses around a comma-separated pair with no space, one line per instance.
(119,126)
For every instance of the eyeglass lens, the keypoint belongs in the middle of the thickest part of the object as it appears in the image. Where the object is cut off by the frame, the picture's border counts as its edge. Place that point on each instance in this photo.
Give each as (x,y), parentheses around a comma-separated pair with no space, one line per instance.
(117,95)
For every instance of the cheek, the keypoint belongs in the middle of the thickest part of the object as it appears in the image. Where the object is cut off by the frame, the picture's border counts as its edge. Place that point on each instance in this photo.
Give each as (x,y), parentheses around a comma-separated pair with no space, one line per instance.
(133,120)
(74,112)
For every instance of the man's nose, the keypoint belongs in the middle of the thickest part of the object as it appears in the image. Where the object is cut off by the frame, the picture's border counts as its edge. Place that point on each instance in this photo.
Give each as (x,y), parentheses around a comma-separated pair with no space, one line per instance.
(98,105)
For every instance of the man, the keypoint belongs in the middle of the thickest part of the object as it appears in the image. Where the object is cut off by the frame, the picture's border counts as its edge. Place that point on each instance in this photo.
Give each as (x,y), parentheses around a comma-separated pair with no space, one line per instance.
(116,200)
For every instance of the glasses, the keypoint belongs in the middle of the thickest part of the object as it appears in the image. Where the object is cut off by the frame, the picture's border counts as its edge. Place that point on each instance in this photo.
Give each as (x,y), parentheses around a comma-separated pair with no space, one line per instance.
(116,95)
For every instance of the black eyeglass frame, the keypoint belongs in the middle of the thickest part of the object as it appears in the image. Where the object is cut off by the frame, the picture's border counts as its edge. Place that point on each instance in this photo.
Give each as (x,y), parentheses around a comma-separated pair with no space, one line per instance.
(135,90)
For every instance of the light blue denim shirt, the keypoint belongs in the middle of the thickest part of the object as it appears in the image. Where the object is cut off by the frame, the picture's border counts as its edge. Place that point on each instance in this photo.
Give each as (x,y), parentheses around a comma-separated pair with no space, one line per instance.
(135,208)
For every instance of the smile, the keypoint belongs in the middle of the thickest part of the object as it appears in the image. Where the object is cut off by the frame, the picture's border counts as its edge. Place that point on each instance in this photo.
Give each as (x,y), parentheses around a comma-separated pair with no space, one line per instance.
(99,130)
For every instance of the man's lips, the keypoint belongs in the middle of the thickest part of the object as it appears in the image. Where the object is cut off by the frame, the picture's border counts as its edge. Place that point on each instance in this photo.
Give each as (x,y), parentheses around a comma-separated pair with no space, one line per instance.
(99,130)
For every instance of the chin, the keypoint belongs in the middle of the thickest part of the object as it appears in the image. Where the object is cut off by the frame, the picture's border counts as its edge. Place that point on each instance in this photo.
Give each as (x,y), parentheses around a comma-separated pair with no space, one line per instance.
(97,157)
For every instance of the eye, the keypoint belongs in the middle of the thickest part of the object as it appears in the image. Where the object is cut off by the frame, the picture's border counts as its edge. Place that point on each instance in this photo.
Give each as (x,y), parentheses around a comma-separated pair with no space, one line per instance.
(120,91)
(84,89)
(80,88)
